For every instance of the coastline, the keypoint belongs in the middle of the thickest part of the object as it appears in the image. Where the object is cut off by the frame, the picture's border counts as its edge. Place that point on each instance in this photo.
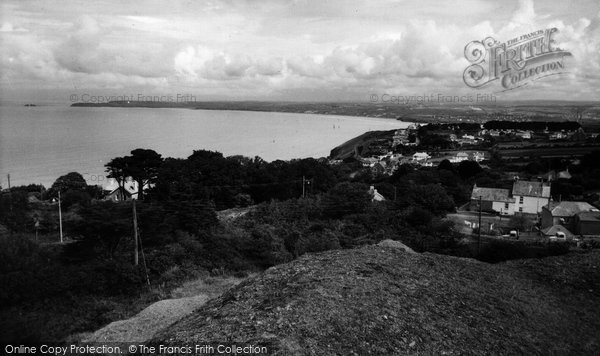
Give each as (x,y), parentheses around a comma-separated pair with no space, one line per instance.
(404,112)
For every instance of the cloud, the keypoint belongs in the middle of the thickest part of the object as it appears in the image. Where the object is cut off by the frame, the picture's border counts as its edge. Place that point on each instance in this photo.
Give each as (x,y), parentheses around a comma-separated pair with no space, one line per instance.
(331,49)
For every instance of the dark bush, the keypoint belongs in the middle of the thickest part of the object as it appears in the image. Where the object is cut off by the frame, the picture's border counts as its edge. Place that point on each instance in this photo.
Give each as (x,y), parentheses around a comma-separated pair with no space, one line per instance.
(499,250)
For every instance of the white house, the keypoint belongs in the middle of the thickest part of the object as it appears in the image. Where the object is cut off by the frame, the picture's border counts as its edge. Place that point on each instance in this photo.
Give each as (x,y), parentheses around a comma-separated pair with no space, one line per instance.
(420,157)
(478,156)
(460,156)
(530,197)
(492,200)
(375,195)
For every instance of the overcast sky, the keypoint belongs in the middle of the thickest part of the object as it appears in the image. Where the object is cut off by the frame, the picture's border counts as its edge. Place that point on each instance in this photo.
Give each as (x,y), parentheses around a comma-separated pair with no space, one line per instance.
(279,50)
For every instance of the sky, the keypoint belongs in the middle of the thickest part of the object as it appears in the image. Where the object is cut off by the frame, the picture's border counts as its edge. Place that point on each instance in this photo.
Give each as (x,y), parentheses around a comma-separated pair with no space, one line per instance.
(292,50)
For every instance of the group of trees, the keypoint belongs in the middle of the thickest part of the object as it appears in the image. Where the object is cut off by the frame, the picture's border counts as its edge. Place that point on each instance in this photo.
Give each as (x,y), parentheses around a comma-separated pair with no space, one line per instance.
(142,166)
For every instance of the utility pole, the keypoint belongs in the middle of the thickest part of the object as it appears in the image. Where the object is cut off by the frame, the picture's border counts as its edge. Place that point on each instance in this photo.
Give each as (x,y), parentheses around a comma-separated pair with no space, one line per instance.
(135,234)
(303,190)
(479,229)
(9,193)
(60,219)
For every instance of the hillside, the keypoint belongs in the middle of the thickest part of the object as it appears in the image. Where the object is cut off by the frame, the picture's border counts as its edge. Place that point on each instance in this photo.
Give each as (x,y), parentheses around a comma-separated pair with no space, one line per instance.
(383,301)
(356,145)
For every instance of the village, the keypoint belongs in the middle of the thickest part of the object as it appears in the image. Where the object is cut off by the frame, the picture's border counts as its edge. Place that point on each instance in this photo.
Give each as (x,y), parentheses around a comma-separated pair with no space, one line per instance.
(527,210)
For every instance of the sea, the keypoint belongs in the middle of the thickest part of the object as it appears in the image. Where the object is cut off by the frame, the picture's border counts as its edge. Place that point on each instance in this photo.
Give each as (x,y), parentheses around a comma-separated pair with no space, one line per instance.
(39,144)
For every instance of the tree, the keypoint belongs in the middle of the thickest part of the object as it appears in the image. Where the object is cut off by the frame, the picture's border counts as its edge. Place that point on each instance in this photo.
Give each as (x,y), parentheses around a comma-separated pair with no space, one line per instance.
(143,166)
(468,169)
(346,198)
(117,170)
(447,165)
(69,181)
(431,197)
(520,222)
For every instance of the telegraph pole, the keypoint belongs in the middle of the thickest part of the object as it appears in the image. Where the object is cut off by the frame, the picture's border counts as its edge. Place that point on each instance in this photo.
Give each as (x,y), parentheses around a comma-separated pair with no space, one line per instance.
(60,219)
(479,229)
(135,234)
(303,190)
(9,193)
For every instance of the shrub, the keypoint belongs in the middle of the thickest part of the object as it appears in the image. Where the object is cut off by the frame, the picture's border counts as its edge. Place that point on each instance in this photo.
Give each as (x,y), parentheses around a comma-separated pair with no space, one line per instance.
(499,250)
(317,242)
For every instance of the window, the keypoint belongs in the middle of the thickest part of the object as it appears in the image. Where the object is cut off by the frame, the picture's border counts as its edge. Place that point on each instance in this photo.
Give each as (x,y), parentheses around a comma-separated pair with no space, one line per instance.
(520,200)
(520,209)
(506,206)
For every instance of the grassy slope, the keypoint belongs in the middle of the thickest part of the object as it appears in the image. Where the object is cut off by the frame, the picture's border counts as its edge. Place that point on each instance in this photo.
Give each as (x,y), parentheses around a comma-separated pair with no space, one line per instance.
(348,148)
(382,301)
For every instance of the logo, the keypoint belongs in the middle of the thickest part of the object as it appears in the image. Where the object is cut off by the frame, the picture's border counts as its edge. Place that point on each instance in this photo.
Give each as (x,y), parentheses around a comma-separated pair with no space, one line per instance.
(515,63)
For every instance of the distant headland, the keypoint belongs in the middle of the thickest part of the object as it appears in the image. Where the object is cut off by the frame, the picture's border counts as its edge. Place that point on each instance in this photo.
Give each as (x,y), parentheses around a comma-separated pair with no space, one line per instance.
(423,112)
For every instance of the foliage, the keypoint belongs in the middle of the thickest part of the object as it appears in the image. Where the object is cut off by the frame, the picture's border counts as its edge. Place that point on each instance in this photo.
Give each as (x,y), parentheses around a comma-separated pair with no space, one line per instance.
(14,210)
(520,222)
(345,198)
(70,181)
(501,250)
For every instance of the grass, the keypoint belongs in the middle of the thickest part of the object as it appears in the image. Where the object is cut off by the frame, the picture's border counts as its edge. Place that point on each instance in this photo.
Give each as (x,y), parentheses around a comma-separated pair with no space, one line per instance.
(377,300)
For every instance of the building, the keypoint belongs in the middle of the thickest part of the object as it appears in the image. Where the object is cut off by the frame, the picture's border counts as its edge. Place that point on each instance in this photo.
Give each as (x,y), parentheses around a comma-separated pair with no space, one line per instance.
(554,175)
(587,223)
(478,156)
(460,156)
(120,194)
(526,135)
(375,195)
(493,200)
(529,196)
(564,213)
(556,231)
(420,157)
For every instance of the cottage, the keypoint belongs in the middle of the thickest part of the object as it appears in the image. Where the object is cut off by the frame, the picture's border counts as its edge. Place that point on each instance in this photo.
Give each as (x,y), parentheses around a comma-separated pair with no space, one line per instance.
(460,157)
(587,223)
(420,157)
(478,156)
(564,212)
(493,200)
(526,135)
(120,194)
(554,175)
(556,231)
(529,196)
(375,195)
(369,161)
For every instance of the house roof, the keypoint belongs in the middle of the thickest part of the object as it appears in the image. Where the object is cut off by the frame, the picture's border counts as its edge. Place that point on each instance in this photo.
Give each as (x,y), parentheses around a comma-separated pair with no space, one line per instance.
(492,194)
(125,190)
(532,189)
(593,216)
(552,230)
(558,175)
(569,208)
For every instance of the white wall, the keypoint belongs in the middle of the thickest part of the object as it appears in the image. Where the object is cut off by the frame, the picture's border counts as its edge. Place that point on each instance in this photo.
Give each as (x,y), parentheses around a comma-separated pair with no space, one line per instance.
(501,207)
(531,205)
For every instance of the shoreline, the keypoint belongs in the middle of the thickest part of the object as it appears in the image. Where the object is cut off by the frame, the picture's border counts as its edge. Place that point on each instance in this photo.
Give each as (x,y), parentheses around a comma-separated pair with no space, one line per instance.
(406,113)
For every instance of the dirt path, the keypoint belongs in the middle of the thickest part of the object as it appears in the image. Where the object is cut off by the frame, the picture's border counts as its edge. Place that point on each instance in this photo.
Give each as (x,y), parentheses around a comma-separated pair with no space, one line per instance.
(142,327)
(148,322)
